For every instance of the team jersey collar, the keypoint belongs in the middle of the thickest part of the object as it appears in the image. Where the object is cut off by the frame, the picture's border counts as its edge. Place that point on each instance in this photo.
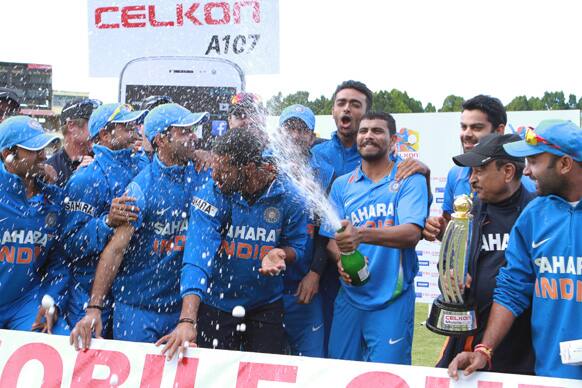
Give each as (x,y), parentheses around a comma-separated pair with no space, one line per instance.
(359,173)
(174,173)
(337,140)
(11,183)
(565,203)
(274,189)
(123,157)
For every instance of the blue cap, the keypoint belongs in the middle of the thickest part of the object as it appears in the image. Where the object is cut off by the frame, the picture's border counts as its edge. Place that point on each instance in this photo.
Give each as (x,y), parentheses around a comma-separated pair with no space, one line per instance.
(112,114)
(564,138)
(300,112)
(24,132)
(171,115)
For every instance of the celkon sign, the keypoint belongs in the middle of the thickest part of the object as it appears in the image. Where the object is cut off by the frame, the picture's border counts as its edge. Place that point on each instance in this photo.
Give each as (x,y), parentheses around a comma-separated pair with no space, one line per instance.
(195,14)
(457,319)
(33,360)
(243,31)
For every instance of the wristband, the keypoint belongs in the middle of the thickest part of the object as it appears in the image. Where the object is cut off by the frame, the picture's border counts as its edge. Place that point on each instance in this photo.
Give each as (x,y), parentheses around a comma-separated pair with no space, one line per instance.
(485,350)
(94,306)
(186,320)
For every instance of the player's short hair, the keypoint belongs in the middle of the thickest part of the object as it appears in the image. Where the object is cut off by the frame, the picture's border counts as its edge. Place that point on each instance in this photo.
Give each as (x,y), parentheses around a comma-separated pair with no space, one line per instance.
(360,87)
(387,117)
(491,106)
(241,144)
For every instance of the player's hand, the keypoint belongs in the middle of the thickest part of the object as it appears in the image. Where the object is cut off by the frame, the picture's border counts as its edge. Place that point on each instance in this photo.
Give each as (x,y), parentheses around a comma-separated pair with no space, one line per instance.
(434,228)
(203,160)
(273,262)
(87,160)
(91,323)
(122,211)
(349,239)
(409,167)
(45,319)
(308,287)
(183,336)
(469,361)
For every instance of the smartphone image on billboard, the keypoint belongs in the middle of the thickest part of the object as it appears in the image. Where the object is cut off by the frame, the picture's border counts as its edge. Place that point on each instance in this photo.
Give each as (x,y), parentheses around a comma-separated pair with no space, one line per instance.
(200,84)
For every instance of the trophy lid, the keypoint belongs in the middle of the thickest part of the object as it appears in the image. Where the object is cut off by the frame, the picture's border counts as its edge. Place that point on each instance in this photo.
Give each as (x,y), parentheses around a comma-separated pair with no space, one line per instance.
(462,205)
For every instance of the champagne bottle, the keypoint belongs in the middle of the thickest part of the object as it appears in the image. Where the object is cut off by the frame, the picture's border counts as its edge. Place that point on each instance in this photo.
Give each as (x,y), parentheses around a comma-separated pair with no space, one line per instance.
(354,264)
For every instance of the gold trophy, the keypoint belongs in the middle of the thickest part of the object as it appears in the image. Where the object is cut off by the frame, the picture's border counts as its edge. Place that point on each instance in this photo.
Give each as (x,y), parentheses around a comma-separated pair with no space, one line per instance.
(450,314)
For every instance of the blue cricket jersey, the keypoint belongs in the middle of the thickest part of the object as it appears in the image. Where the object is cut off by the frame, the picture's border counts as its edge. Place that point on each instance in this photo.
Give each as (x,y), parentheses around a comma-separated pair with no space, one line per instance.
(381,205)
(458,184)
(227,238)
(149,275)
(323,174)
(342,159)
(544,269)
(29,231)
(88,198)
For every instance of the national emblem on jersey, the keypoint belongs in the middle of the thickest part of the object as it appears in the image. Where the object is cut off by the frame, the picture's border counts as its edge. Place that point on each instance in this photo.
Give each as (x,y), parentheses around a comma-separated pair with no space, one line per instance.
(51,220)
(271,215)
(394,186)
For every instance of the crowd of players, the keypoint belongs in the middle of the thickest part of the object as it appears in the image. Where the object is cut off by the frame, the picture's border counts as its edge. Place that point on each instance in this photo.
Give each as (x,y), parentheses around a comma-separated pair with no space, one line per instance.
(131,231)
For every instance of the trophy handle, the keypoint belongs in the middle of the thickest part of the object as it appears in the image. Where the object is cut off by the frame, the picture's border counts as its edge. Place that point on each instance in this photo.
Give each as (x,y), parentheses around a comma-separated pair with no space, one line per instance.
(444,260)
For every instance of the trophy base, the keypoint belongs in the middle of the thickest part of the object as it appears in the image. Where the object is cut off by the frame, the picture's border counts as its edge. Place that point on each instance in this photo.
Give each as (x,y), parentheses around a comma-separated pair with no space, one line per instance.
(451,319)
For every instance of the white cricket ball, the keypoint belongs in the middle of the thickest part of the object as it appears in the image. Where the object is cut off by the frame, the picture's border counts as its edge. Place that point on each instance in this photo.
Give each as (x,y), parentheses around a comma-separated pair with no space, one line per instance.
(238,312)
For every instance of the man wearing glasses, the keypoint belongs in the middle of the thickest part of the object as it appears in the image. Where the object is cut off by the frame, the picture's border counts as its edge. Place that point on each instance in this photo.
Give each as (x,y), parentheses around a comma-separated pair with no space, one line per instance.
(77,143)
(544,255)
(95,203)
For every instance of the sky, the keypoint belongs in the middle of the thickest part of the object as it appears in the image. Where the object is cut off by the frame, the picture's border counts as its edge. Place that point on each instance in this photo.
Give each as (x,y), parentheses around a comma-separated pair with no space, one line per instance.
(427,48)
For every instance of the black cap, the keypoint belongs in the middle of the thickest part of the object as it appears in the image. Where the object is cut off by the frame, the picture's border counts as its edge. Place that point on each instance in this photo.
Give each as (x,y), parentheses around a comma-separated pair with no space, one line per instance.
(152,101)
(10,95)
(488,149)
(80,108)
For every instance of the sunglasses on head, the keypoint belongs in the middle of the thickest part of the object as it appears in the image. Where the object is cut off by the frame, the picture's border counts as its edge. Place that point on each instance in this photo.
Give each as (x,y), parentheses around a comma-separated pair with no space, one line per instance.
(534,139)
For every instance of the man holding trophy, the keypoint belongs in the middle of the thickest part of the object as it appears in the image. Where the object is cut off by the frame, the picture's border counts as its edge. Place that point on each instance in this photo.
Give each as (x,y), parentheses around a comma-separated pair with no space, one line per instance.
(544,256)
(496,179)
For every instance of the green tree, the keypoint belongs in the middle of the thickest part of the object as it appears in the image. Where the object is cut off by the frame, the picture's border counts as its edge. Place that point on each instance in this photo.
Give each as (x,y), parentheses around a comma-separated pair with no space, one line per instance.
(322,106)
(429,107)
(274,104)
(572,103)
(554,101)
(396,101)
(452,103)
(518,103)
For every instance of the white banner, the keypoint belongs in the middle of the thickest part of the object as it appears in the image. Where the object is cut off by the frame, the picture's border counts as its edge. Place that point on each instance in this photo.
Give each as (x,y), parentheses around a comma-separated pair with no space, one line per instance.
(38,360)
(434,139)
(243,31)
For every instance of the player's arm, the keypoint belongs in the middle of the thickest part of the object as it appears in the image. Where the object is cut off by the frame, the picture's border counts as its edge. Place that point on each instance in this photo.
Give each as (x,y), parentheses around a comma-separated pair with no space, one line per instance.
(209,219)
(107,268)
(55,284)
(184,335)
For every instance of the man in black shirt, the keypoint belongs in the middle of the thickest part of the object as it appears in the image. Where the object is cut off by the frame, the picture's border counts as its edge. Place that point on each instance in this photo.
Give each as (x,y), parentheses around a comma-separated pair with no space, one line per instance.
(74,119)
(495,177)
(9,104)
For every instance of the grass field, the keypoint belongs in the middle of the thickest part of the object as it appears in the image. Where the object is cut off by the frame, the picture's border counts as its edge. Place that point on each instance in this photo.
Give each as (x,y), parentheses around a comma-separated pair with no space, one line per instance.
(426,345)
